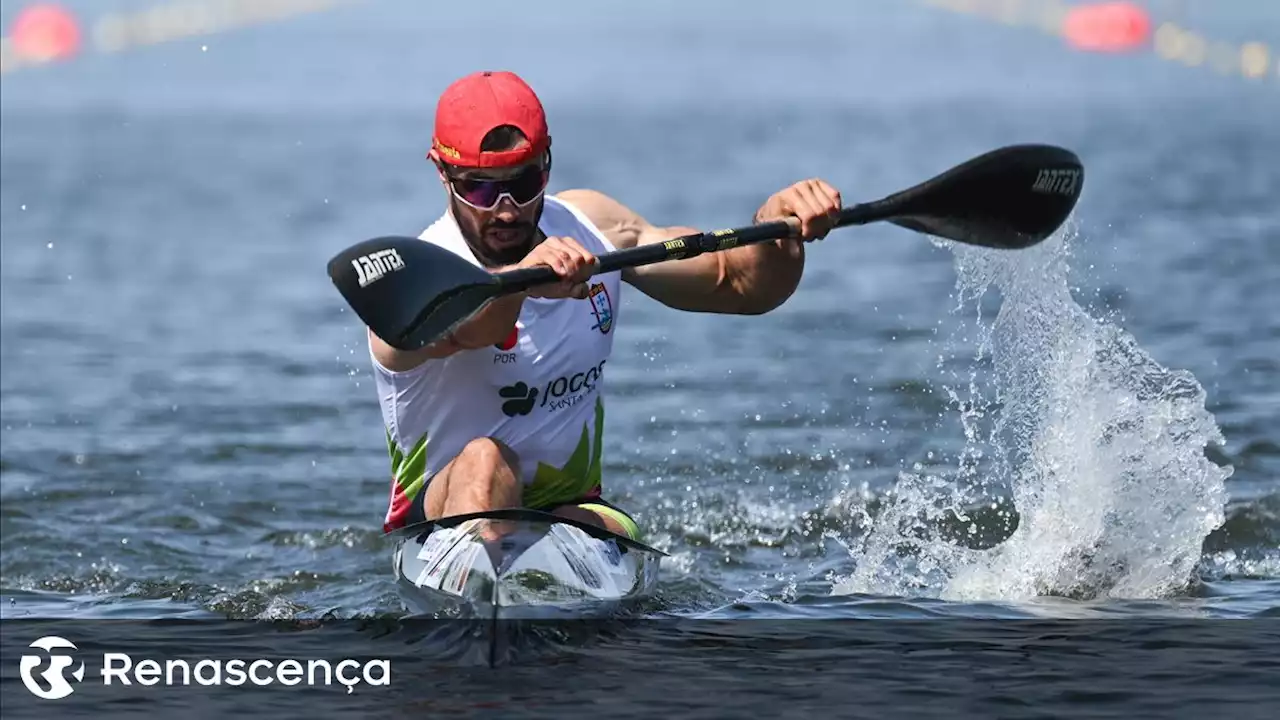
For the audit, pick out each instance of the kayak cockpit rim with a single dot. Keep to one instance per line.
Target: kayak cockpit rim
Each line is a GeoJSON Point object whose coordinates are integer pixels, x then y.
{"type": "Point", "coordinates": [525, 515]}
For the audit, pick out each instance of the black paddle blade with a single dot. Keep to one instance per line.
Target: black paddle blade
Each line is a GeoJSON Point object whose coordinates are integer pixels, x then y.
{"type": "Point", "coordinates": [1009, 198]}
{"type": "Point", "coordinates": [408, 291]}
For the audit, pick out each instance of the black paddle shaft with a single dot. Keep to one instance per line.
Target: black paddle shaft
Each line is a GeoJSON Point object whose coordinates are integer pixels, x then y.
{"type": "Point", "coordinates": [675, 249]}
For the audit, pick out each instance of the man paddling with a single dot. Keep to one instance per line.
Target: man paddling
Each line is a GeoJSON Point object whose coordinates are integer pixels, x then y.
{"type": "Point", "coordinates": [508, 409]}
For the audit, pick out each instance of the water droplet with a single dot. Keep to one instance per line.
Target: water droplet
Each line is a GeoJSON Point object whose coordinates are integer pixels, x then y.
{"type": "Point", "coordinates": [204, 48]}
{"type": "Point", "coordinates": [50, 246]}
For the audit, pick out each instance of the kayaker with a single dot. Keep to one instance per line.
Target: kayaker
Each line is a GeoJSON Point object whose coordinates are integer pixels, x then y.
{"type": "Point", "coordinates": [508, 410]}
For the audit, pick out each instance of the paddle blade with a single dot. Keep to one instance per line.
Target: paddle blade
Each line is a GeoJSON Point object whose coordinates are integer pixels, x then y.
{"type": "Point", "coordinates": [1009, 198]}
{"type": "Point", "coordinates": [408, 291]}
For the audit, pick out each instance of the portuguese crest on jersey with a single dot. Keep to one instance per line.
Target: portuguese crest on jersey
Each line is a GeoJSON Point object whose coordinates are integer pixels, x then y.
{"type": "Point", "coordinates": [602, 307]}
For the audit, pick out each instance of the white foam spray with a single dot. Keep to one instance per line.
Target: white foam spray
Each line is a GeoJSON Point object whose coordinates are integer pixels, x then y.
{"type": "Point", "coordinates": [1094, 449]}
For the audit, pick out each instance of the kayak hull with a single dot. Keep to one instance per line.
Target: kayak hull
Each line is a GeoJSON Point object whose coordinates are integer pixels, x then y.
{"type": "Point", "coordinates": [520, 564]}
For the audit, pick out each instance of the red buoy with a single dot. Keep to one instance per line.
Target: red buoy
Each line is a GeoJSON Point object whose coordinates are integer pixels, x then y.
{"type": "Point", "coordinates": [45, 32]}
{"type": "Point", "coordinates": [1107, 27]}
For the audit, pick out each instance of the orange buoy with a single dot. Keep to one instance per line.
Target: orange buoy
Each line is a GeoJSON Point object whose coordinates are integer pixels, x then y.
{"type": "Point", "coordinates": [45, 32]}
{"type": "Point", "coordinates": [1107, 27]}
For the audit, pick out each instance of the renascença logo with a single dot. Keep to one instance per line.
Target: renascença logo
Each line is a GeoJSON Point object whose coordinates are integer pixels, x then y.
{"type": "Point", "coordinates": [54, 676]}
{"type": "Point", "coordinates": [120, 668]}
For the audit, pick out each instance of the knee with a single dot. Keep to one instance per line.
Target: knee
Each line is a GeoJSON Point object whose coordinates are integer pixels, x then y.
{"type": "Point", "coordinates": [492, 454]}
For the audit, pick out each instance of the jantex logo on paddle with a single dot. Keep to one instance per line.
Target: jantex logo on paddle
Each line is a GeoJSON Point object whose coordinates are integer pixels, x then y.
{"type": "Point", "coordinates": [1057, 182]}
{"type": "Point", "coordinates": [116, 668]}
{"type": "Point", "coordinates": [370, 268]}
{"type": "Point", "coordinates": [565, 391]}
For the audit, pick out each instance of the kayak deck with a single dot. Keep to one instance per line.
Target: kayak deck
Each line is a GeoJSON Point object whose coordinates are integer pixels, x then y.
{"type": "Point", "coordinates": [520, 564]}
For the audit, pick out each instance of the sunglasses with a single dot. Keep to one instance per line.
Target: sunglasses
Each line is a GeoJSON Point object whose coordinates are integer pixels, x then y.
{"type": "Point", "coordinates": [485, 194]}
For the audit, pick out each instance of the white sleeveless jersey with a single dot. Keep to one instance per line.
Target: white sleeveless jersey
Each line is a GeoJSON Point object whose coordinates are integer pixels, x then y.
{"type": "Point", "coordinates": [539, 391]}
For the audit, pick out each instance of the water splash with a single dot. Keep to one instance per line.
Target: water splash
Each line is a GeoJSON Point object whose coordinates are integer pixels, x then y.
{"type": "Point", "coordinates": [1087, 452]}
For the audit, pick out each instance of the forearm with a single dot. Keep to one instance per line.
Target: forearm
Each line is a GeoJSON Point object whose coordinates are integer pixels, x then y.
{"type": "Point", "coordinates": [490, 326]}
{"type": "Point", "coordinates": [761, 277]}
{"type": "Point", "coordinates": [748, 280]}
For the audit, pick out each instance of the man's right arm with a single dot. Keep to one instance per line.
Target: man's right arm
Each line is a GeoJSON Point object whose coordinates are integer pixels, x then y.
{"type": "Point", "coordinates": [489, 326]}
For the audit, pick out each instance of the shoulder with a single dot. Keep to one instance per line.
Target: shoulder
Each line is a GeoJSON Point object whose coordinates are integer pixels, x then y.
{"type": "Point", "coordinates": [444, 233]}
{"type": "Point", "coordinates": [597, 206]}
{"type": "Point", "coordinates": [440, 229]}
{"type": "Point", "coordinates": [617, 222]}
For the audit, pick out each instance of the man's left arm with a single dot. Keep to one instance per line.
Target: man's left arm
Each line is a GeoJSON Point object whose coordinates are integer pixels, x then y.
{"type": "Point", "coordinates": [748, 280]}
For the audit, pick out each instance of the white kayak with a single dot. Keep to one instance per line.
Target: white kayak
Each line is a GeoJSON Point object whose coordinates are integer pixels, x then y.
{"type": "Point", "coordinates": [520, 564]}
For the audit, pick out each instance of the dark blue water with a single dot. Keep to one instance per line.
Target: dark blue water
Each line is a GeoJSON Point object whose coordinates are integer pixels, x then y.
{"type": "Point", "coordinates": [1087, 429]}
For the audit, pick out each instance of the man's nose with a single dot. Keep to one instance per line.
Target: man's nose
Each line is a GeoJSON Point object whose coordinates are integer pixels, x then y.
{"type": "Point", "coordinates": [506, 211]}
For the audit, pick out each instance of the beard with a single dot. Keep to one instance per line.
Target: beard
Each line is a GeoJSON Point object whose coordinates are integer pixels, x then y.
{"type": "Point", "coordinates": [507, 243]}
{"type": "Point", "coordinates": [497, 243]}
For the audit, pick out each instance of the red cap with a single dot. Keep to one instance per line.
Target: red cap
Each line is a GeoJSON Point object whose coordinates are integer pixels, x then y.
{"type": "Point", "coordinates": [472, 106]}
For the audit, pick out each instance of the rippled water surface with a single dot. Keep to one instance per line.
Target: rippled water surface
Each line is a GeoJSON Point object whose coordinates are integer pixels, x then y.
{"type": "Point", "coordinates": [189, 426]}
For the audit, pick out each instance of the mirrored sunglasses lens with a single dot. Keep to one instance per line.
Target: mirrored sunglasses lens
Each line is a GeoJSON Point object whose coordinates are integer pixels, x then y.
{"type": "Point", "coordinates": [485, 193]}
{"type": "Point", "coordinates": [481, 193]}
{"type": "Point", "coordinates": [526, 186]}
